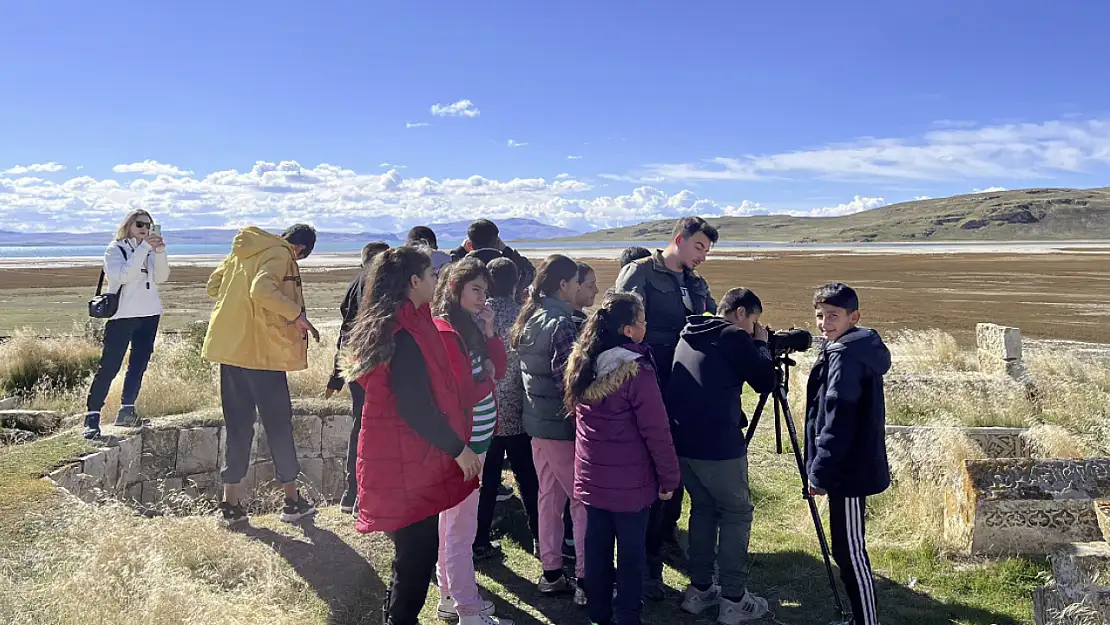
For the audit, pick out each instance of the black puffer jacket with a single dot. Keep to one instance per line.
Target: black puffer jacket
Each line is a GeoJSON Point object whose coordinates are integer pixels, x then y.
{"type": "Point", "coordinates": [846, 416]}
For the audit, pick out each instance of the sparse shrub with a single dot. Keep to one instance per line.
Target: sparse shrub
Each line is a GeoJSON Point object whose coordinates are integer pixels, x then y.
{"type": "Point", "coordinates": [29, 364]}
{"type": "Point", "coordinates": [929, 351]}
{"type": "Point", "coordinates": [177, 380]}
{"type": "Point", "coordinates": [163, 571]}
{"type": "Point", "coordinates": [321, 362]}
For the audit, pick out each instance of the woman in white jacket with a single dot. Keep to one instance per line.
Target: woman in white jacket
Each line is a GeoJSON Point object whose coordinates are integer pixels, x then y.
{"type": "Point", "coordinates": [134, 265]}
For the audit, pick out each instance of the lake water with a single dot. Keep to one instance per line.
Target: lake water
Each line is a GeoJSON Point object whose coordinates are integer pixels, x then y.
{"type": "Point", "coordinates": [327, 254]}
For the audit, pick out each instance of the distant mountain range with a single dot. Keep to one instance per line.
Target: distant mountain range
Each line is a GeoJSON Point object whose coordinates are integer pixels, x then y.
{"type": "Point", "coordinates": [1025, 215]}
{"type": "Point", "coordinates": [448, 234]}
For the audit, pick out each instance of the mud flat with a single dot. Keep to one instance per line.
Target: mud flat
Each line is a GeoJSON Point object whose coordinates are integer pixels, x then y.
{"type": "Point", "coordinates": [1055, 294]}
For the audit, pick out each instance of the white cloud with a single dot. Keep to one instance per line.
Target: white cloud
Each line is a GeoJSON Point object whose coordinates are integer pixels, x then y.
{"type": "Point", "coordinates": [515, 144]}
{"type": "Point", "coordinates": [574, 158]}
{"type": "Point", "coordinates": [333, 198]}
{"type": "Point", "coordinates": [37, 168]}
{"type": "Point", "coordinates": [857, 205]}
{"type": "Point", "coordinates": [151, 168]}
{"type": "Point", "coordinates": [462, 108]}
{"type": "Point", "coordinates": [1014, 151]}
{"type": "Point", "coordinates": [392, 166]}
{"type": "Point", "coordinates": [989, 190]}
{"type": "Point", "coordinates": [416, 124]}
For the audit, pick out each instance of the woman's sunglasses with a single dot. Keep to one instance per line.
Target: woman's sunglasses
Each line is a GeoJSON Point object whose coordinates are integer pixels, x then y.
{"type": "Point", "coordinates": [142, 224]}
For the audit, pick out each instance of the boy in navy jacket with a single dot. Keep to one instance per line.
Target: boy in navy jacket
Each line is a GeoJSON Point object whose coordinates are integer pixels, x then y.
{"type": "Point", "coordinates": [846, 435]}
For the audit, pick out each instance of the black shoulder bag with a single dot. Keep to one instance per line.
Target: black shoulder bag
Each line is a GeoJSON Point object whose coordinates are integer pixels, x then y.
{"type": "Point", "coordinates": [105, 306]}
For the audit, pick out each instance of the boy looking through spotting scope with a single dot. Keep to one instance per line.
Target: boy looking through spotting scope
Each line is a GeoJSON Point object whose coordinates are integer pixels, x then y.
{"type": "Point", "coordinates": [845, 435]}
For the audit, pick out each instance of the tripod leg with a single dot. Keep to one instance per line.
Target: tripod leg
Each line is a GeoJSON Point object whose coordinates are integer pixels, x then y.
{"type": "Point", "coordinates": [778, 427]}
{"type": "Point", "coordinates": [780, 400]}
{"type": "Point", "coordinates": [755, 418]}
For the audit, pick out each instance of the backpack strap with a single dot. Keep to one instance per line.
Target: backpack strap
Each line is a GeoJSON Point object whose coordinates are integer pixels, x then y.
{"type": "Point", "coordinates": [100, 282]}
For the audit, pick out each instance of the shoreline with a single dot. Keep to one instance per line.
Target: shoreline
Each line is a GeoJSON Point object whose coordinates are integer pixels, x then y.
{"type": "Point", "coordinates": [603, 251]}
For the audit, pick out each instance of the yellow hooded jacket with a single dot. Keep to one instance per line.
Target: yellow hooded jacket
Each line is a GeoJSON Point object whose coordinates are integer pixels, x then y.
{"type": "Point", "coordinates": [258, 297]}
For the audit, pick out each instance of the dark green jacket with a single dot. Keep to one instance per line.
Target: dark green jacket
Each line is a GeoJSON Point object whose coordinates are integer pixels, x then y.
{"type": "Point", "coordinates": [544, 414]}
{"type": "Point", "coordinates": [666, 313]}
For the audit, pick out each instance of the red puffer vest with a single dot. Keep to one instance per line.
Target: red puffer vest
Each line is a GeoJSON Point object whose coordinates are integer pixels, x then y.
{"type": "Point", "coordinates": [402, 478]}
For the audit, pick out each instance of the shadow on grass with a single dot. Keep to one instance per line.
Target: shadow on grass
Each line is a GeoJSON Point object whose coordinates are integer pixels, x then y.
{"type": "Point", "coordinates": [339, 574]}
{"type": "Point", "coordinates": [797, 587]}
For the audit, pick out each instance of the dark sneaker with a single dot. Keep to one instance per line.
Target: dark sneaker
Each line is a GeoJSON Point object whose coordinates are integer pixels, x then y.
{"type": "Point", "coordinates": [347, 502]}
{"type": "Point", "coordinates": [232, 515]}
{"type": "Point", "coordinates": [487, 551]}
{"type": "Point", "coordinates": [127, 417]}
{"type": "Point", "coordinates": [296, 510]}
{"type": "Point", "coordinates": [654, 590]}
{"type": "Point", "coordinates": [92, 426]}
{"type": "Point", "coordinates": [504, 493]}
{"type": "Point", "coordinates": [560, 586]}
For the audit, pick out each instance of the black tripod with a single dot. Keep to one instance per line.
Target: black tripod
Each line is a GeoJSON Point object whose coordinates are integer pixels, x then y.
{"type": "Point", "coordinates": [783, 363]}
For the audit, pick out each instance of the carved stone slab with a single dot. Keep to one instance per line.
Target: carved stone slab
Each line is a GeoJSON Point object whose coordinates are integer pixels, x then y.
{"type": "Point", "coordinates": [1082, 563]}
{"type": "Point", "coordinates": [1026, 506]}
{"type": "Point", "coordinates": [999, 349]}
{"type": "Point", "coordinates": [996, 442]}
{"type": "Point", "coordinates": [1050, 600]}
{"type": "Point", "coordinates": [1043, 479]}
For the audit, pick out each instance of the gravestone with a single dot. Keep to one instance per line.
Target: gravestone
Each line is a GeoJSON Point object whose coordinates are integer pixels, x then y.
{"type": "Point", "coordinates": [1026, 506]}
{"type": "Point", "coordinates": [1050, 600]}
{"type": "Point", "coordinates": [999, 350]}
{"type": "Point", "coordinates": [996, 442]}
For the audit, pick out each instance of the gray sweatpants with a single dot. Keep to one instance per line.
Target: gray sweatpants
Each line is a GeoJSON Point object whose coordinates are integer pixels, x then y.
{"type": "Point", "coordinates": [720, 521]}
{"type": "Point", "coordinates": [245, 393]}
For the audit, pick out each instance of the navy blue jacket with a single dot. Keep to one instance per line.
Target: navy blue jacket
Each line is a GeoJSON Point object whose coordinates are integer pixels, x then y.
{"type": "Point", "coordinates": [846, 416]}
{"type": "Point", "coordinates": [712, 362]}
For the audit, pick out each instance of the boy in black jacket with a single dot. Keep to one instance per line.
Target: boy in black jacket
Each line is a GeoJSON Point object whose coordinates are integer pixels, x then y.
{"type": "Point", "coordinates": [845, 435]}
{"type": "Point", "coordinates": [349, 310]}
{"type": "Point", "coordinates": [714, 358]}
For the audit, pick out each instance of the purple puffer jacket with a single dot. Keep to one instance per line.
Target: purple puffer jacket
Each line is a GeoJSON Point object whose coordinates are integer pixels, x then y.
{"type": "Point", "coordinates": [623, 453]}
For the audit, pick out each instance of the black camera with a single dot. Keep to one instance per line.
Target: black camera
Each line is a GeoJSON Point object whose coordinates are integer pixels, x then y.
{"type": "Point", "coordinates": [788, 341]}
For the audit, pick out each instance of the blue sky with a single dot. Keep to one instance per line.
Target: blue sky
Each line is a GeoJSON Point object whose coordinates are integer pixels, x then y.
{"type": "Point", "coordinates": [375, 116]}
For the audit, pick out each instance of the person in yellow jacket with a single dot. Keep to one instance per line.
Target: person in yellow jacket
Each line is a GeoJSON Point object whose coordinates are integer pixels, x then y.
{"type": "Point", "coordinates": [258, 332]}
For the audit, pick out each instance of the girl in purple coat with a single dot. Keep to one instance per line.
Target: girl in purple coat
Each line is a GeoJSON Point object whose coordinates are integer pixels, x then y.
{"type": "Point", "coordinates": [624, 457]}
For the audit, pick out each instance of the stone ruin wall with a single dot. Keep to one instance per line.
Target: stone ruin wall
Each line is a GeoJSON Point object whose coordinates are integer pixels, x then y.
{"type": "Point", "coordinates": [149, 465]}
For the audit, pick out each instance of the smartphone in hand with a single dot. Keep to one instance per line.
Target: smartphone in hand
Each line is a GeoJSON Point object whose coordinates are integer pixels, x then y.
{"type": "Point", "coordinates": [156, 230]}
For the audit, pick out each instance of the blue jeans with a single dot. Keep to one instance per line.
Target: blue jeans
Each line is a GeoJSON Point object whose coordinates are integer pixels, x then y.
{"type": "Point", "coordinates": [627, 531]}
{"type": "Point", "coordinates": [138, 333]}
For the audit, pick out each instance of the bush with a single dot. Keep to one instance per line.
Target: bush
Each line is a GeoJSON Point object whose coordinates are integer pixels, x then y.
{"type": "Point", "coordinates": [30, 365]}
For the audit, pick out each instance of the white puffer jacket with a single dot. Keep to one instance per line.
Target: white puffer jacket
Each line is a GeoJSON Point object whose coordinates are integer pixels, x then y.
{"type": "Point", "coordinates": [139, 276]}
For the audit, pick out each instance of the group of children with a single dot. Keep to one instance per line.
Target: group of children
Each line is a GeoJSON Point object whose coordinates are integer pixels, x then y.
{"type": "Point", "coordinates": [460, 369]}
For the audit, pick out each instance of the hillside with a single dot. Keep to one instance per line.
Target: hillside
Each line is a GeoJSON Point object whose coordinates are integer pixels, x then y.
{"type": "Point", "coordinates": [1026, 215]}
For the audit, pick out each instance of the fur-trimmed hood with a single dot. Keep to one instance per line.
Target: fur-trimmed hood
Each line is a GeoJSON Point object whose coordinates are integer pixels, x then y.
{"type": "Point", "coordinates": [614, 368]}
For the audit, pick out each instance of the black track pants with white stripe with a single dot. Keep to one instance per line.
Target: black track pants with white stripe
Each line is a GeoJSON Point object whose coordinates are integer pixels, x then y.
{"type": "Point", "coordinates": [849, 547]}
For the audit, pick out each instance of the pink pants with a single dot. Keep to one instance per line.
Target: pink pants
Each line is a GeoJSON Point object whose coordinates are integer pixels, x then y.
{"type": "Point", "coordinates": [455, 569]}
{"type": "Point", "coordinates": [555, 469]}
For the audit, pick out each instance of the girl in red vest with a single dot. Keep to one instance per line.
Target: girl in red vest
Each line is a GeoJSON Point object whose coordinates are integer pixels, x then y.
{"type": "Point", "coordinates": [477, 357]}
{"type": "Point", "coordinates": [413, 461]}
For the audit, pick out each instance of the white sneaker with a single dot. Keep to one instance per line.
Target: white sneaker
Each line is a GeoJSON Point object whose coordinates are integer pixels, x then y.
{"type": "Point", "coordinates": [697, 601]}
{"type": "Point", "coordinates": [749, 608]}
{"type": "Point", "coordinates": [484, 620]}
{"type": "Point", "coordinates": [446, 609]}
{"type": "Point", "coordinates": [580, 596]}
